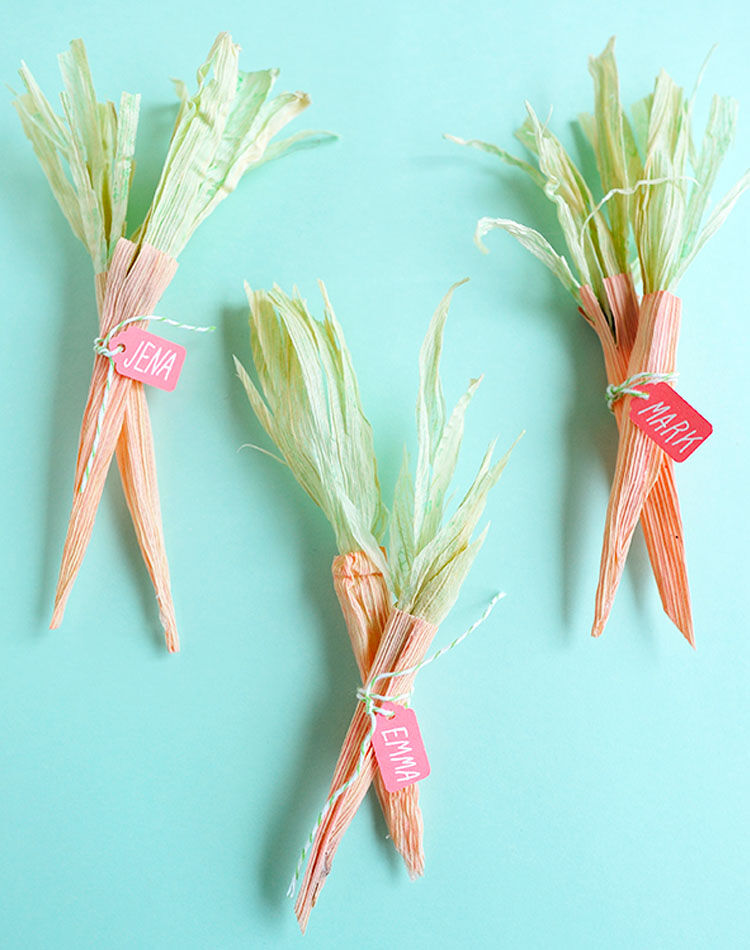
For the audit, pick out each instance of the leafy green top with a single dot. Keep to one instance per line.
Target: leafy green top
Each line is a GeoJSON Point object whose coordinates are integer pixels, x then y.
{"type": "Point", "coordinates": [310, 407]}
{"type": "Point", "coordinates": [654, 181]}
{"type": "Point", "coordinates": [221, 131]}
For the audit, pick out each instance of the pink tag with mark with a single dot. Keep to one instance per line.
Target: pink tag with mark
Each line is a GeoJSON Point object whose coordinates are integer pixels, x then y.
{"type": "Point", "coordinates": [147, 358]}
{"type": "Point", "coordinates": [671, 422]}
{"type": "Point", "coordinates": [398, 747]}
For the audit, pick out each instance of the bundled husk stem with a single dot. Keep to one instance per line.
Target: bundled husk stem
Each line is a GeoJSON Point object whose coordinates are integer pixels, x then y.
{"type": "Point", "coordinates": [365, 603]}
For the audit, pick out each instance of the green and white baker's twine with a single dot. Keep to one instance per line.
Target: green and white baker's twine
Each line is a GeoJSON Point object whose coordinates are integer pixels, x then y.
{"type": "Point", "coordinates": [101, 348]}
{"type": "Point", "coordinates": [371, 699]}
{"type": "Point", "coordinates": [616, 391]}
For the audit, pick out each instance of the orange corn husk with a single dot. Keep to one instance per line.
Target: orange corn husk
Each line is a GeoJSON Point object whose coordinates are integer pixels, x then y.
{"type": "Point", "coordinates": [365, 603]}
{"type": "Point", "coordinates": [404, 643]}
{"type": "Point", "coordinates": [660, 518]}
{"type": "Point", "coordinates": [136, 279]}
{"type": "Point", "coordinates": [640, 461]}
{"type": "Point", "coordinates": [137, 464]}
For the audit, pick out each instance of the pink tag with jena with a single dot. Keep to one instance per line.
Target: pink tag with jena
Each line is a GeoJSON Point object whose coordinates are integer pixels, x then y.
{"type": "Point", "coordinates": [398, 747]}
{"type": "Point", "coordinates": [671, 422]}
{"type": "Point", "coordinates": [147, 358]}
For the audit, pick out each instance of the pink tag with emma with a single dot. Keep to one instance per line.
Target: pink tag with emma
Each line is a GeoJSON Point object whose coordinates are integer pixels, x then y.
{"type": "Point", "coordinates": [398, 746]}
{"type": "Point", "coordinates": [148, 358]}
{"type": "Point", "coordinates": [670, 421]}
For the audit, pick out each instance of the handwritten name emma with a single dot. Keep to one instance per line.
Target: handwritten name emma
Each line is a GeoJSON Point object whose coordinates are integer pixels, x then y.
{"type": "Point", "coordinates": [398, 747]}
{"type": "Point", "coordinates": [401, 755]}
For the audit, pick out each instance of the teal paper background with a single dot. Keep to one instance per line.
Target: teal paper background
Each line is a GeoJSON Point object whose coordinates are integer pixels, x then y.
{"type": "Point", "coordinates": [583, 794]}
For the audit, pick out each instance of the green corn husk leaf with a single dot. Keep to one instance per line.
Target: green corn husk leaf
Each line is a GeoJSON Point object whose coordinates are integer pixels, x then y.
{"type": "Point", "coordinates": [615, 149]}
{"type": "Point", "coordinates": [715, 220]}
{"type": "Point", "coordinates": [307, 400]}
{"type": "Point", "coordinates": [309, 404]}
{"type": "Point", "coordinates": [221, 132]}
{"type": "Point", "coordinates": [584, 227]}
{"type": "Point", "coordinates": [719, 135]}
{"type": "Point", "coordinates": [668, 218]}
{"type": "Point", "coordinates": [429, 554]}
{"type": "Point", "coordinates": [533, 241]}
{"type": "Point", "coordinates": [87, 154]}
{"type": "Point", "coordinates": [654, 182]}
{"type": "Point", "coordinates": [509, 159]}
{"type": "Point", "coordinates": [660, 209]}
{"type": "Point", "coordinates": [592, 249]}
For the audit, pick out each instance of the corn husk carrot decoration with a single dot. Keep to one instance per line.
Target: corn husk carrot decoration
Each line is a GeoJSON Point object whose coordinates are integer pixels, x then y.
{"type": "Point", "coordinates": [223, 129]}
{"type": "Point", "coordinates": [310, 407]}
{"type": "Point", "coordinates": [645, 230]}
{"type": "Point", "coordinates": [312, 411]}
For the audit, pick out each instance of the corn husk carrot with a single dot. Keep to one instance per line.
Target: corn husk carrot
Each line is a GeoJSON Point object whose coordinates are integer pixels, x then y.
{"type": "Point", "coordinates": [134, 285]}
{"type": "Point", "coordinates": [221, 131]}
{"type": "Point", "coordinates": [365, 602]}
{"type": "Point", "coordinates": [666, 222]}
{"type": "Point", "coordinates": [660, 516]}
{"type": "Point", "coordinates": [645, 228]}
{"type": "Point", "coordinates": [639, 458]}
{"type": "Point", "coordinates": [311, 409]}
{"type": "Point", "coordinates": [428, 555]}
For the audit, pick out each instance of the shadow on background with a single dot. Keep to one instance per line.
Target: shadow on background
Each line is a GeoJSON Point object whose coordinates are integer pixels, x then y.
{"type": "Point", "coordinates": [69, 380]}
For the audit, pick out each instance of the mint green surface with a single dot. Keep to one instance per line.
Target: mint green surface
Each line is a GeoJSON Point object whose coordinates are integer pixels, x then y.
{"type": "Point", "coordinates": [583, 794]}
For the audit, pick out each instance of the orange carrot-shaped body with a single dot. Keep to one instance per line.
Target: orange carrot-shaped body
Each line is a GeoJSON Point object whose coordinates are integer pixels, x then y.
{"type": "Point", "coordinates": [135, 280]}
{"type": "Point", "coordinates": [639, 460]}
{"type": "Point", "coordinates": [366, 603]}
{"type": "Point", "coordinates": [660, 518]}
{"type": "Point", "coordinates": [137, 463]}
{"type": "Point", "coordinates": [404, 643]}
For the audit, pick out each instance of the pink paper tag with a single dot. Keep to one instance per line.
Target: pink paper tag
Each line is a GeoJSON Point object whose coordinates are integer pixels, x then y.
{"type": "Point", "coordinates": [398, 746]}
{"type": "Point", "coordinates": [671, 422]}
{"type": "Point", "coordinates": [149, 359]}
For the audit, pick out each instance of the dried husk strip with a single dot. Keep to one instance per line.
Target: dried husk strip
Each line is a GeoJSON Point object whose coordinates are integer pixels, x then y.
{"type": "Point", "coordinates": [313, 413]}
{"type": "Point", "coordinates": [365, 603]}
{"type": "Point", "coordinates": [404, 643]}
{"type": "Point", "coordinates": [308, 402]}
{"type": "Point", "coordinates": [639, 460]}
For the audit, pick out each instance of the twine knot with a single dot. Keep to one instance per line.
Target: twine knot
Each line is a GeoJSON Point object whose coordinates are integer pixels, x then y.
{"type": "Point", "coordinates": [371, 700]}
{"type": "Point", "coordinates": [616, 391]}
{"type": "Point", "coordinates": [101, 348]}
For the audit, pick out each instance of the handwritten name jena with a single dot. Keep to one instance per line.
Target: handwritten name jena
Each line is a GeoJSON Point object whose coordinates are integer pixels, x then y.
{"type": "Point", "coordinates": [152, 360]}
